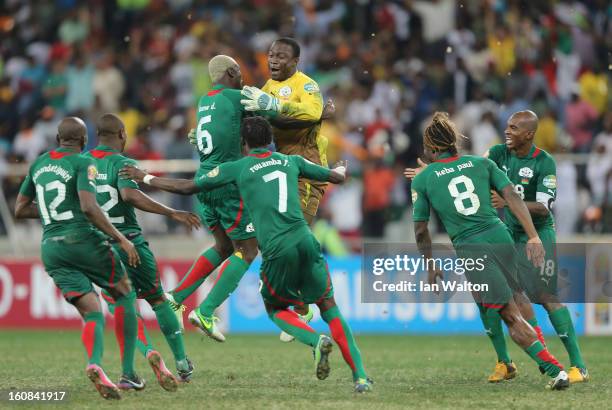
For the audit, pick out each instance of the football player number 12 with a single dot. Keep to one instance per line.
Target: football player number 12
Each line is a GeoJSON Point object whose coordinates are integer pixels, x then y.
{"type": "Point", "coordinates": [203, 137]}
{"type": "Point", "coordinates": [462, 197]}
{"type": "Point", "coordinates": [50, 212]}
{"type": "Point", "coordinates": [282, 188]}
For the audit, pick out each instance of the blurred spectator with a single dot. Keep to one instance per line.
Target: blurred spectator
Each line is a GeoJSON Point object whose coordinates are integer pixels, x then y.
{"type": "Point", "coordinates": [378, 180]}
{"type": "Point", "coordinates": [79, 78]}
{"type": "Point", "coordinates": [546, 134]}
{"type": "Point", "coordinates": [594, 88]}
{"type": "Point", "coordinates": [30, 141]}
{"type": "Point", "coordinates": [484, 134]}
{"type": "Point", "coordinates": [579, 118]}
{"type": "Point", "coordinates": [108, 82]}
{"type": "Point", "coordinates": [56, 86]}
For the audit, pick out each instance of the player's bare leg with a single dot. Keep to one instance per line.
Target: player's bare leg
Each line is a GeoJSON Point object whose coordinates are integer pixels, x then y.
{"type": "Point", "coordinates": [343, 336]}
{"type": "Point", "coordinates": [126, 330]}
{"type": "Point", "coordinates": [561, 320]}
{"type": "Point", "coordinates": [89, 308]}
{"type": "Point", "coordinates": [228, 278]}
{"type": "Point", "coordinates": [525, 336]}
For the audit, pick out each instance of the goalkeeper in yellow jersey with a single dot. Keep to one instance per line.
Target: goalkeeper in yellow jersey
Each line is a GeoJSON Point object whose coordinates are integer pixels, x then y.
{"type": "Point", "coordinates": [293, 94]}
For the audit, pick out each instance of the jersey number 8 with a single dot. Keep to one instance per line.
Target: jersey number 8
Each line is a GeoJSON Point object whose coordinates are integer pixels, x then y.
{"type": "Point", "coordinates": [460, 197]}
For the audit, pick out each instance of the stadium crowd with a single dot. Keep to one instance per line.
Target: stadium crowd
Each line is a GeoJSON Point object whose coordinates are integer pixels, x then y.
{"type": "Point", "coordinates": [387, 65]}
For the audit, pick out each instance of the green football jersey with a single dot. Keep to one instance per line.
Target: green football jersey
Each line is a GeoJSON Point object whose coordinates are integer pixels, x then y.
{"type": "Point", "coordinates": [268, 184]}
{"type": "Point", "coordinates": [534, 178]}
{"type": "Point", "coordinates": [458, 189]}
{"type": "Point", "coordinates": [54, 180]}
{"type": "Point", "coordinates": [218, 131]}
{"type": "Point", "coordinates": [108, 186]}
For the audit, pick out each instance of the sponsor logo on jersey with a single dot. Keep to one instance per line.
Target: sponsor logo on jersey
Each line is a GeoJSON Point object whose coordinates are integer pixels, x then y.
{"type": "Point", "coordinates": [250, 228]}
{"type": "Point", "coordinates": [526, 172]}
{"type": "Point", "coordinates": [92, 172]}
{"type": "Point", "coordinates": [311, 88]}
{"type": "Point", "coordinates": [284, 91]}
{"type": "Point", "coordinates": [213, 173]}
{"type": "Point", "coordinates": [415, 196]}
{"type": "Point", "coordinates": [550, 181]}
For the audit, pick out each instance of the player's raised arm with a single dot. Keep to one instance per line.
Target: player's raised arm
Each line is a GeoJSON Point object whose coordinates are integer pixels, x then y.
{"type": "Point", "coordinates": [309, 107]}
{"type": "Point", "coordinates": [336, 175]}
{"type": "Point", "coordinates": [174, 185]}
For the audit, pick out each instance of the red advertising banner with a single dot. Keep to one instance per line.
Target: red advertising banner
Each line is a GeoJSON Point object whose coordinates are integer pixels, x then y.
{"type": "Point", "coordinates": [30, 299]}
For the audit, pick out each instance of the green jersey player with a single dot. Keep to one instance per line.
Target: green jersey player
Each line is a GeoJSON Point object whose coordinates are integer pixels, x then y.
{"type": "Point", "coordinates": [60, 189]}
{"type": "Point", "coordinates": [118, 197]}
{"type": "Point", "coordinates": [217, 139]}
{"type": "Point", "coordinates": [457, 188]}
{"type": "Point", "coordinates": [293, 271]}
{"type": "Point", "coordinates": [533, 173]}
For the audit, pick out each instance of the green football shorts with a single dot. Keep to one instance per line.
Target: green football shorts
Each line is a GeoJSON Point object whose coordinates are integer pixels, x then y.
{"type": "Point", "coordinates": [543, 280]}
{"type": "Point", "coordinates": [75, 261]}
{"type": "Point", "coordinates": [296, 277]}
{"type": "Point", "coordinates": [223, 208]}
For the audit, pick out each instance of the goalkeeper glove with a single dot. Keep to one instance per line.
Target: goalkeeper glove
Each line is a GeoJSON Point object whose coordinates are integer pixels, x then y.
{"type": "Point", "coordinates": [258, 100]}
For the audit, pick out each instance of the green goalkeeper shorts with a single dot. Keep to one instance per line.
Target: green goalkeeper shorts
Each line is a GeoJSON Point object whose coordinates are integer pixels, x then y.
{"type": "Point", "coordinates": [223, 208]}
{"type": "Point", "coordinates": [75, 261]}
{"type": "Point", "coordinates": [297, 276]}
{"type": "Point", "coordinates": [542, 281]}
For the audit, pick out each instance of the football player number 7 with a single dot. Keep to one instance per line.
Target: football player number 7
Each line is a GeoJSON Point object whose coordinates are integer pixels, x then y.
{"type": "Point", "coordinates": [282, 188]}
{"type": "Point", "coordinates": [203, 137]}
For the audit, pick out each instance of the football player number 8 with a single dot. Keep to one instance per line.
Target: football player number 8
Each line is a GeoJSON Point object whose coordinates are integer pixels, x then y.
{"type": "Point", "coordinates": [282, 188]}
{"type": "Point", "coordinates": [203, 136]}
{"type": "Point", "coordinates": [461, 198]}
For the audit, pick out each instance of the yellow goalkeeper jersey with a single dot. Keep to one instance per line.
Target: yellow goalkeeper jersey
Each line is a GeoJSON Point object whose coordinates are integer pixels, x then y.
{"type": "Point", "coordinates": [301, 99]}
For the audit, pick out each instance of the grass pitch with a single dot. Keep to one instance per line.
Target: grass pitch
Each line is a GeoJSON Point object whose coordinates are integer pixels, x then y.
{"type": "Point", "coordinates": [260, 372]}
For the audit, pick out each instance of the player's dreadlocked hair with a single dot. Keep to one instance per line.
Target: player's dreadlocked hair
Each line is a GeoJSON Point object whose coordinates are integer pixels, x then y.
{"type": "Point", "coordinates": [441, 134]}
{"type": "Point", "coordinates": [256, 131]}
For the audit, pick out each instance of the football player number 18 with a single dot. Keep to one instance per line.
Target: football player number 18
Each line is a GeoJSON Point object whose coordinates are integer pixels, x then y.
{"type": "Point", "coordinates": [203, 137]}
{"type": "Point", "coordinates": [465, 197]}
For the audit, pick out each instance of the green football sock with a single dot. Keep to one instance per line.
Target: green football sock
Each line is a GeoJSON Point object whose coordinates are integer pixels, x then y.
{"type": "Point", "coordinates": [493, 327]}
{"type": "Point", "coordinates": [341, 332]}
{"type": "Point", "coordinates": [231, 272]}
{"type": "Point", "coordinates": [290, 322]}
{"type": "Point", "coordinates": [562, 322]}
{"type": "Point", "coordinates": [534, 323]}
{"type": "Point", "coordinates": [544, 359]}
{"type": "Point", "coordinates": [169, 326]}
{"type": "Point", "coordinates": [93, 337]}
{"type": "Point", "coordinates": [126, 329]}
{"type": "Point", "coordinates": [197, 274]}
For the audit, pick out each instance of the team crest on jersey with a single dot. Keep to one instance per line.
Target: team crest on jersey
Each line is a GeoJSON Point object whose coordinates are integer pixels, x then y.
{"type": "Point", "coordinates": [550, 181]}
{"type": "Point", "coordinates": [311, 88]}
{"type": "Point", "coordinates": [250, 228]}
{"type": "Point", "coordinates": [285, 91]}
{"type": "Point", "coordinates": [415, 196]}
{"type": "Point", "coordinates": [526, 172]}
{"type": "Point", "coordinates": [92, 172]}
{"type": "Point", "coordinates": [213, 173]}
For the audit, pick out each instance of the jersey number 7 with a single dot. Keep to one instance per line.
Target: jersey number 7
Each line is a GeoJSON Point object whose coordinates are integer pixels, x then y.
{"type": "Point", "coordinates": [282, 188]}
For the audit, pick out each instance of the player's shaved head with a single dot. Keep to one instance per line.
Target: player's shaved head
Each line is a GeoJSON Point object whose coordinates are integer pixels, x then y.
{"type": "Point", "coordinates": [71, 130]}
{"type": "Point", "coordinates": [527, 120]}
{"type": "Point", "coordinates": [109, 125]}
{"type": "Point", "coordinates": [218, 66]}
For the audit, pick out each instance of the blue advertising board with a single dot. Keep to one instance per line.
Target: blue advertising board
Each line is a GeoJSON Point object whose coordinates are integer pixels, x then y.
{"type": "Point", "coordinates": [246, 312]}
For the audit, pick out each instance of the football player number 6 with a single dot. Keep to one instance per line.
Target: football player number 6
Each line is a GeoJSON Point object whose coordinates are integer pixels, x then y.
{"type": "Point", "coordinates": [282, 188]}
{"type": "Point", "coordinates": [462, 197]}
{"type": "Point", "coordinates": [203, 137]}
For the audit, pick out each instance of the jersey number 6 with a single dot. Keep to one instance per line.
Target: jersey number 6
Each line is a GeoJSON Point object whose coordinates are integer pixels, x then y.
{"type": "Point", "coordinates": [202, 134]}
